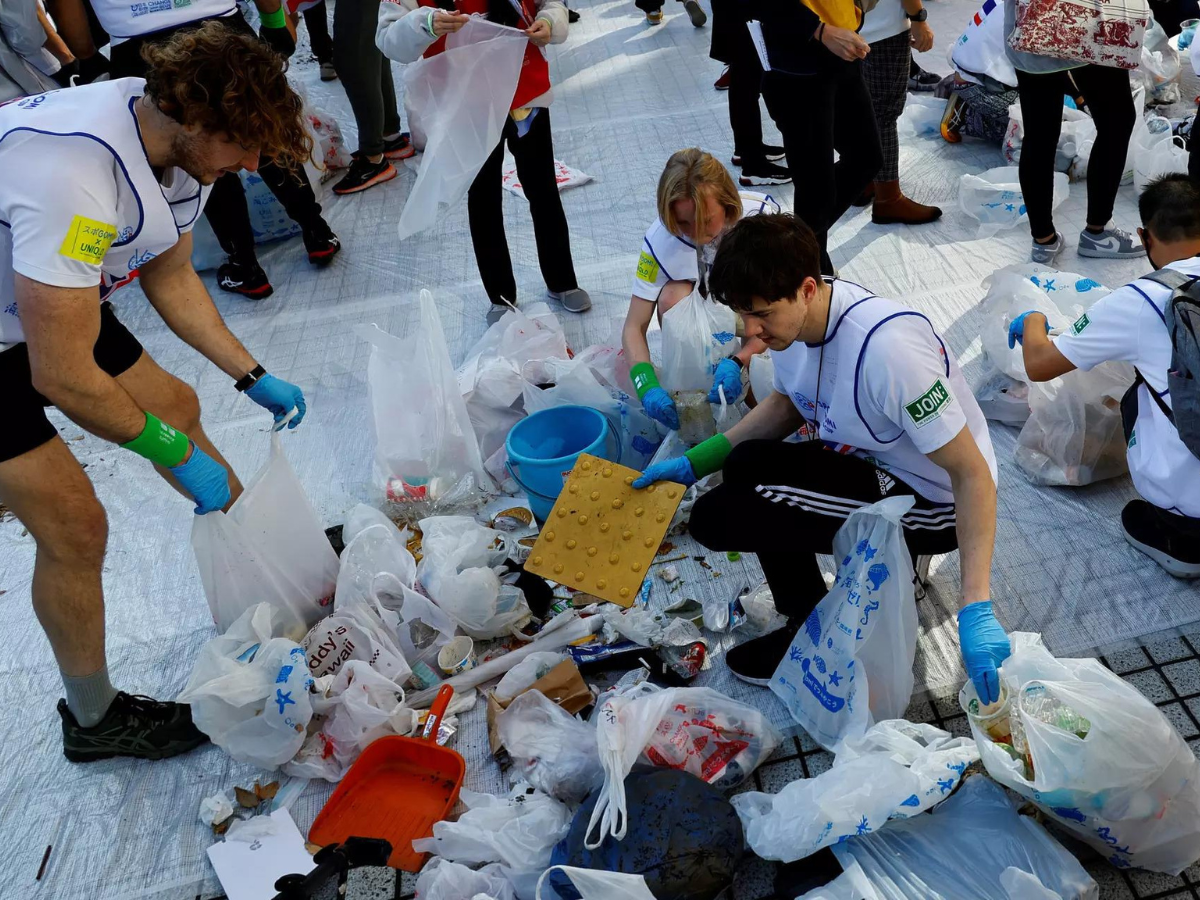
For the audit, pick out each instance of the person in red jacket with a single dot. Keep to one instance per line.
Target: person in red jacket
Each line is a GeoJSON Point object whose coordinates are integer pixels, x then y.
{"type": "Point", "coordinates": [409, 29]}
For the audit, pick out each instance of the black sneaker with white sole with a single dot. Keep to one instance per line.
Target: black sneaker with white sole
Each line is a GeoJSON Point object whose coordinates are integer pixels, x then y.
{"type": "Point", "coordinates": [1171, 540]}
{"type": "Point", "coordinates": [321, 244]}
{"type": "Point", "coordinates": [763, 173]}
{"type": "Point", "coordinates": [364, 174]}
{"type": "Point", "coordinates": [247, 279]}
{"type": "Point", "coordinates": [920, 80]}
{"type": "Point", "coordinates": [755, 661]}
{"type": "Point", "coordinates": [133, 726]}
{"type": "Point", "coordinates": [769, 151]}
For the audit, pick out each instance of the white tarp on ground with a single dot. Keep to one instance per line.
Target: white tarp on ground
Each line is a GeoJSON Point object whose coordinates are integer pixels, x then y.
{"type": "Point", "coordinates": [626, 97]}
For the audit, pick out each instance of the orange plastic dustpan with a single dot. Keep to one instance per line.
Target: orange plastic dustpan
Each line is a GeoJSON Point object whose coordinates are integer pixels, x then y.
{"type": "Point", "coordinates": [396, 790]}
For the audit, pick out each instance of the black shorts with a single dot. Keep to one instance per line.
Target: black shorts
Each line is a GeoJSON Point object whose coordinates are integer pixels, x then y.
{"type": "Point", "coordinates": [26, 426]}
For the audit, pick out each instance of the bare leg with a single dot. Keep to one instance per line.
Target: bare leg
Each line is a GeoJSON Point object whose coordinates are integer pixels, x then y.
{"type": "Point", "coordinates": [159, 392]}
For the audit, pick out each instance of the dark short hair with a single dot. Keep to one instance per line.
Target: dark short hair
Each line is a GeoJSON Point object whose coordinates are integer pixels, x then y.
{"type": "Point", "coordinates": [764, 256]}
{"type": "Point", "coordinates": [1170, 208]}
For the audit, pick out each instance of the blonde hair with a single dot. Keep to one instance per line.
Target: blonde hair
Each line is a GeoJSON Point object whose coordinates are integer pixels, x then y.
{"type": "Point", "coordinates": [693, 175]}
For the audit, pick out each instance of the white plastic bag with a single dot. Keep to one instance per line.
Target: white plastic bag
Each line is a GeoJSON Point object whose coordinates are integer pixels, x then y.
{"type": "Point", "coordinates": [593, 884]}
{"type": "Point", "coordinates": [420, 626]}
{"type": "Point", "coordinates": [456, 572]}
{"type": "Point", "coordinates": [354, 631]}
{"type": "Point", "coordinates": [374, 551]}
{"type": "Point", "coordinates": [524, 674]}
{"type": "Point", "coordinates": [550, 748]}
{"type": "Point", "coordinates": [964, 849]}
{"type": "Point", "coordinates": [1159, 65]}
{"type": "Point", "coordinates": [851, 665]}
{"type": "Point", "coordinates": [425, 447]}
{"type": "Point", "coordinates": [994, 199]}
{"type": "Point", "coordinates": [564, 176]}
{"type": "Point", "coordinates": [518, 831]}
{"type": "Point", "coordinates": [270, 547]}
{"type": "Point", "coordinates": [1002, 398]}
{"type": "Point", "coordinates": [698, 730]}
{"type": "Point", "coordinates": [896, 770]}
{"type": "Point", "coordinates": [459, 100]}
{"type": "Point", "coordinates": [445, 880]}
{"type": "Point", "coordinates": [696, 335]}
{"type": "Point", "coordinates": [1156, 152]}
{"type": "Point", "coordinates": [249, 691]}
{"type": "Point", "coordinates": [922, 116]}
{"type": "Point", "coordinates": [1130, 787]}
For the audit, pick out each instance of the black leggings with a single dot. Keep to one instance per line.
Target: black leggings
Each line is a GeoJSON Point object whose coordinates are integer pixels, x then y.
{"type": "Point", "coordinates": [365, 74]}
{"type": "Point", "coordinates": [818, 114]}
{"type": "Point", "coordinates": [745, 117]}
{"type": "Point", "coordinates": [226, 208]}
{"type": "Point", "coordinates": [534, 155]}
{"type": "Point", "coordinates": [316, 18]}
{"type": "Point", "coordinates": [785, 502]}
{"type": "Point", "coordinates": [1110, 102]}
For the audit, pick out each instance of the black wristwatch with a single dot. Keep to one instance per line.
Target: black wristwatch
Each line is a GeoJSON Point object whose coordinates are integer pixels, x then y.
{"type": "Point", "coordinates": [247, 381]}
{"type": "Point", "coordinates": [919, 16]}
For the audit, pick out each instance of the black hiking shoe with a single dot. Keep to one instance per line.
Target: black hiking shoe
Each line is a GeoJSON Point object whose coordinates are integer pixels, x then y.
{"type": "Point", "coordinates": [247, 279]}
{"type": "Point", "coordinates": [755, 661]}
{"type": "Point", "coordinates": [133, 726]}
{"type": "Point", "coordinates": [1169, 539]}
{"type": "Point", "coordinates": [321, 243]}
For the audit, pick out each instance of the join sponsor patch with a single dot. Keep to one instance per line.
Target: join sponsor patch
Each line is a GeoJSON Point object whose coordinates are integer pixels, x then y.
{"type": "Point", "coordinates": [87, 240]}
{"type": "Point", "coordinates": [929, 405]}
{"type": "Point", "coordinates": [647, 267]}
{"type": "Point", "coordinates": [1081, 323]}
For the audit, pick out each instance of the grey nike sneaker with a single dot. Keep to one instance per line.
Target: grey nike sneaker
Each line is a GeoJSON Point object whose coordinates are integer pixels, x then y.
{"type": "Point", "coordinates": [1111, 243]}
{"type": "Point", "coordinates": [496, 312]}
{"type": "Point", "coordinates": [133, 726]}
{"type": "Point", "coordinates": [575, 300]}
{"type": "Point", "coordinates": [1046, 254]}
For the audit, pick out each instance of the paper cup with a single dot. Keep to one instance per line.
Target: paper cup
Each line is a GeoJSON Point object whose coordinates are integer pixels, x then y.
{"type": "Point", "coordinates": [457, 656]}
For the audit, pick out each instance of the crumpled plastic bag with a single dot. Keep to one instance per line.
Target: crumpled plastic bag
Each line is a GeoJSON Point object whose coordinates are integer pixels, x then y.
{"type": "Point", "coordinates": [445, 880]}
{"type": "Point", "coordinates": [456, 573]}
{"type": "Point", "coordinates": [1160, 65]}
{"type": "Point", "coordinates": [249, 691]}
{"type": "Point", "coordinates": [1129, 787]}
{"type": "Point", "coordinates": [592, 884]}
{"type": "Point", "coordinates": [565, 176]}
{"type": "Point", "coordinates": [637, 624]}
{"type": "Point", "coordinates": [550, 748]}
{"type": "Point", "coordinates": [524, 674]}
{"type": "Point", "coordinates": [994, 199]}
{"type": "Point", "coordinates": [1156, 152]}
{"type": "Point", "coordinates": [354, 632]}
{"type": "Point", "coordinates": [896, 770]}
{"type": "Point", "coordinates": [922, 116]}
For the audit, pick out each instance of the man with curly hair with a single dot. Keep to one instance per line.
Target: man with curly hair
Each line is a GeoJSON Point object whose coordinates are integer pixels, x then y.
{"type": "Point", "coordinates": [98, 185]}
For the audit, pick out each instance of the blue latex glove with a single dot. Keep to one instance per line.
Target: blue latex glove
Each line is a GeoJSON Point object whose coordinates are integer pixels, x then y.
{"type": "Point", "coordinates": [729, 377]}
{"type": "Point", "coordinates": [1016, 330]}
{"type": "Point", "coordinates": [280, 397]}
{"type": "Point", "coordinates": [678, 470]}
{"type": "Point", "coordinates": [205, 479]}
{"type": "Point", "coordinates": [661, 408]}
{"type": "Point", "coordinates": [984, 646]}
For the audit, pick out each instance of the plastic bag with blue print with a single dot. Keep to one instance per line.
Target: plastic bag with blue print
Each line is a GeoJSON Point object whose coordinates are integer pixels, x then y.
{"type": "Point", "coordinates": [851, 664]}
{"type": "Point", "coordinates": [1097, 757]}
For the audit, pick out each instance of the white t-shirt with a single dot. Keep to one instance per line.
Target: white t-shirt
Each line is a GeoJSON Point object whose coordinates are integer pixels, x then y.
{"type": "Point", "coordinates": [886, 20]}
{"type": "Point", "coordinates": [123, 19]}
{"type": "Point", "coordinates": [1128, 326]}
{"type": "Point", "coordinates": [80, 205]}
{"type": "Point", "coordinates": [884, 388]}
{"type": "Point", "coordinates": [667, 257]}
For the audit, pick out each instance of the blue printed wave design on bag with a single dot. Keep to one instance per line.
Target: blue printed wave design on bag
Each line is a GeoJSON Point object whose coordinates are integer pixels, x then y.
{"type": "Point", "coordinates": [818, 690]}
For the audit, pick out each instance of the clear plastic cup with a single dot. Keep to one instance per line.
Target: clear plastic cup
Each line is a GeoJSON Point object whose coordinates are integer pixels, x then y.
{"type": "Point", "coordinates": [994, 722]}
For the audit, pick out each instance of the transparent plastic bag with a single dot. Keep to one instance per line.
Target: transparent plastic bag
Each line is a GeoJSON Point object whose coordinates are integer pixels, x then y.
{"type": "Point", "coordinates": [922, 116]}
{"type": "Point", "coordinates": [697, 333]}
{"type": "Point", "coordinates": [249, 690]}
{"type": "Point", "coordinates": [966, 848]}
{"type": "Point", "coordinates": [550, 748]}
{"type": "Point", "coordinates": [445, 880]}
{"type": "Point", "coordinates": [525, 674]}
{"type": "Point", "coordinates": [354, 631]}
{"type": "Point", "coordinates": [851, 664]}
{"type": "Point", "coordinates": [374, 551]}
{"type": "Point", "coordinates": [994, 199]}
{"type": "Point", "coordinates": [698, 730]}
{"type": "Point", "coordinates": [596, 885]}
{"type": "Point", "coordinates": [456, 572]}
{"type": "Point", "coordinates": [459, 100]}
{"type": "Point", "coordinates": [1129, 787]}
{"type": "Point", "coordinates": [1157, 152]}
{"type": "Point", "coordinates": [896, 770]}
{"type": "Point", "coordinates": [270, 547]}
{"type": "Point", "coordinates": [1002, 398]}
{"type": "Point", "coordinates": [425, 447]}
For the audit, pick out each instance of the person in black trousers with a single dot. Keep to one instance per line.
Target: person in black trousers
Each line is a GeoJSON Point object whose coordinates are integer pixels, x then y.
{"type": "Point", "coordinates": [731, 45]}
{"type": "Point", "coordinates": [316, 20]}
{"type": "Point", "coordinates": [816, 94]}
{"type": "Point", "coordinates": [226, 208]}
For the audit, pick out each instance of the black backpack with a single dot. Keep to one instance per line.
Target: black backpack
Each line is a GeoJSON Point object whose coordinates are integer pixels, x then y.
{"type": "Point", "coordinates": [1181, 315]}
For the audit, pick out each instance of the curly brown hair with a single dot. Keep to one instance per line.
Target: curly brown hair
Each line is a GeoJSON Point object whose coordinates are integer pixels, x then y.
{"type": "Point", "coordinates": [228, 81]}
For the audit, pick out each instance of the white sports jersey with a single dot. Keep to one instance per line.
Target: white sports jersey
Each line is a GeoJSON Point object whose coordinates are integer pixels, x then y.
{"type": "Point", "coordinates": [79, 204]}
{"type": "Point", "coordinates": [667, 257]}
{"type": "Point", "coordinates": [888, 390]}
{"type": "Point", "coordinates": [1128, 326]}
{"type": "Point", "coordinates": [123, 19]}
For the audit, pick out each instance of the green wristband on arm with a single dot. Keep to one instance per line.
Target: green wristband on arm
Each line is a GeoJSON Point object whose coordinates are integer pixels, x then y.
{"type": "Point", "coordinates": [273, 19]}
{"type": "Point", "coordinates": [709, 456]}
{"type": "Point", "coordinates": [160, 443]}
{"type": "Point", "coordinates": [644, 379]}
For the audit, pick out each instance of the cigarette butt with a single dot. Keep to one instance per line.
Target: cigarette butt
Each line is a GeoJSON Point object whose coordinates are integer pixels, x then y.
{"type": "Point", "coordinates": [45, 859]}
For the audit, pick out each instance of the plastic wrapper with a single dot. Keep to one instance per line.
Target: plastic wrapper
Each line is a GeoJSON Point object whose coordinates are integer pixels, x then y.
{"type": "Point", "coordinates": [525, 673]}
{"type": "Point", "coordinates": [551, 749]}
{"type": "Point", "coordinates": [994, 199]}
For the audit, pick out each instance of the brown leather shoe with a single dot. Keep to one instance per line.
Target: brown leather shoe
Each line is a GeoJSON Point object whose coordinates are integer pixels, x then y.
{"type": "Point", "coordinates": [867, 195]}
{"type": "Point", "coordinates": [893, 208]}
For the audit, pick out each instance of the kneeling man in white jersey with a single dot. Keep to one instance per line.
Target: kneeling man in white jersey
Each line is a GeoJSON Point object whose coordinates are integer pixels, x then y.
{"type": "Point", "coordinates": [100, 185]}
{"type": "Point", "coordinates": [881, 409]}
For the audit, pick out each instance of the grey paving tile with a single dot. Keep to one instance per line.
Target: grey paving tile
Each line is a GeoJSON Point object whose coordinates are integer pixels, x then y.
{"type": "Point", "coordinates": [958, 726]}
{"type": "Point", "coordinates": [818, 762]}
{"type": "Point", "coordinates": [1112, 885]}
{"type": "Point", "coordinates": [371, 884]}
{"type": "Point", "coordinates": [788, 748]}
{"type": "Point", "coordinates": [1152, 685]}
{"type": "Point", "coordinates": [807, 744]}
{"type": "Point", "coordinates": [1180, 719]}
{"type": "Point", "coordinates": [1167, 649]}
{"type": "Point", "coordinates": [1122, 661]}
{"type": "Point", "coordinates": [1185, 676]}
{"type": "Point", "coordinates": [920, 709]}
{"type": "Point", "coordinates": [755, 878]}
{"type": "Point", "coordinates": [775, 776]}
{"type": "Point", "coordinates": [1145, 883]}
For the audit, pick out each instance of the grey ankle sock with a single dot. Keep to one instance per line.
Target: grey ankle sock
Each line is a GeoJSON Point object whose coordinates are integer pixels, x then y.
{"type": "Point", "coordinates": [89, 696]}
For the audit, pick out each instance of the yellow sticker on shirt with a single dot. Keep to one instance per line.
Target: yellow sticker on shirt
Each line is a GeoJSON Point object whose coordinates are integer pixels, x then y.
{"type": "Point", "coordinates": [647, 269]}
{"type": "Point", "coordinates": [87, 240]}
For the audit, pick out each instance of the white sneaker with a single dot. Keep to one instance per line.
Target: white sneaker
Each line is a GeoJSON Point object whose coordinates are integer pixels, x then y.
{"type": "Point", "coordinates": [1111, 243]}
